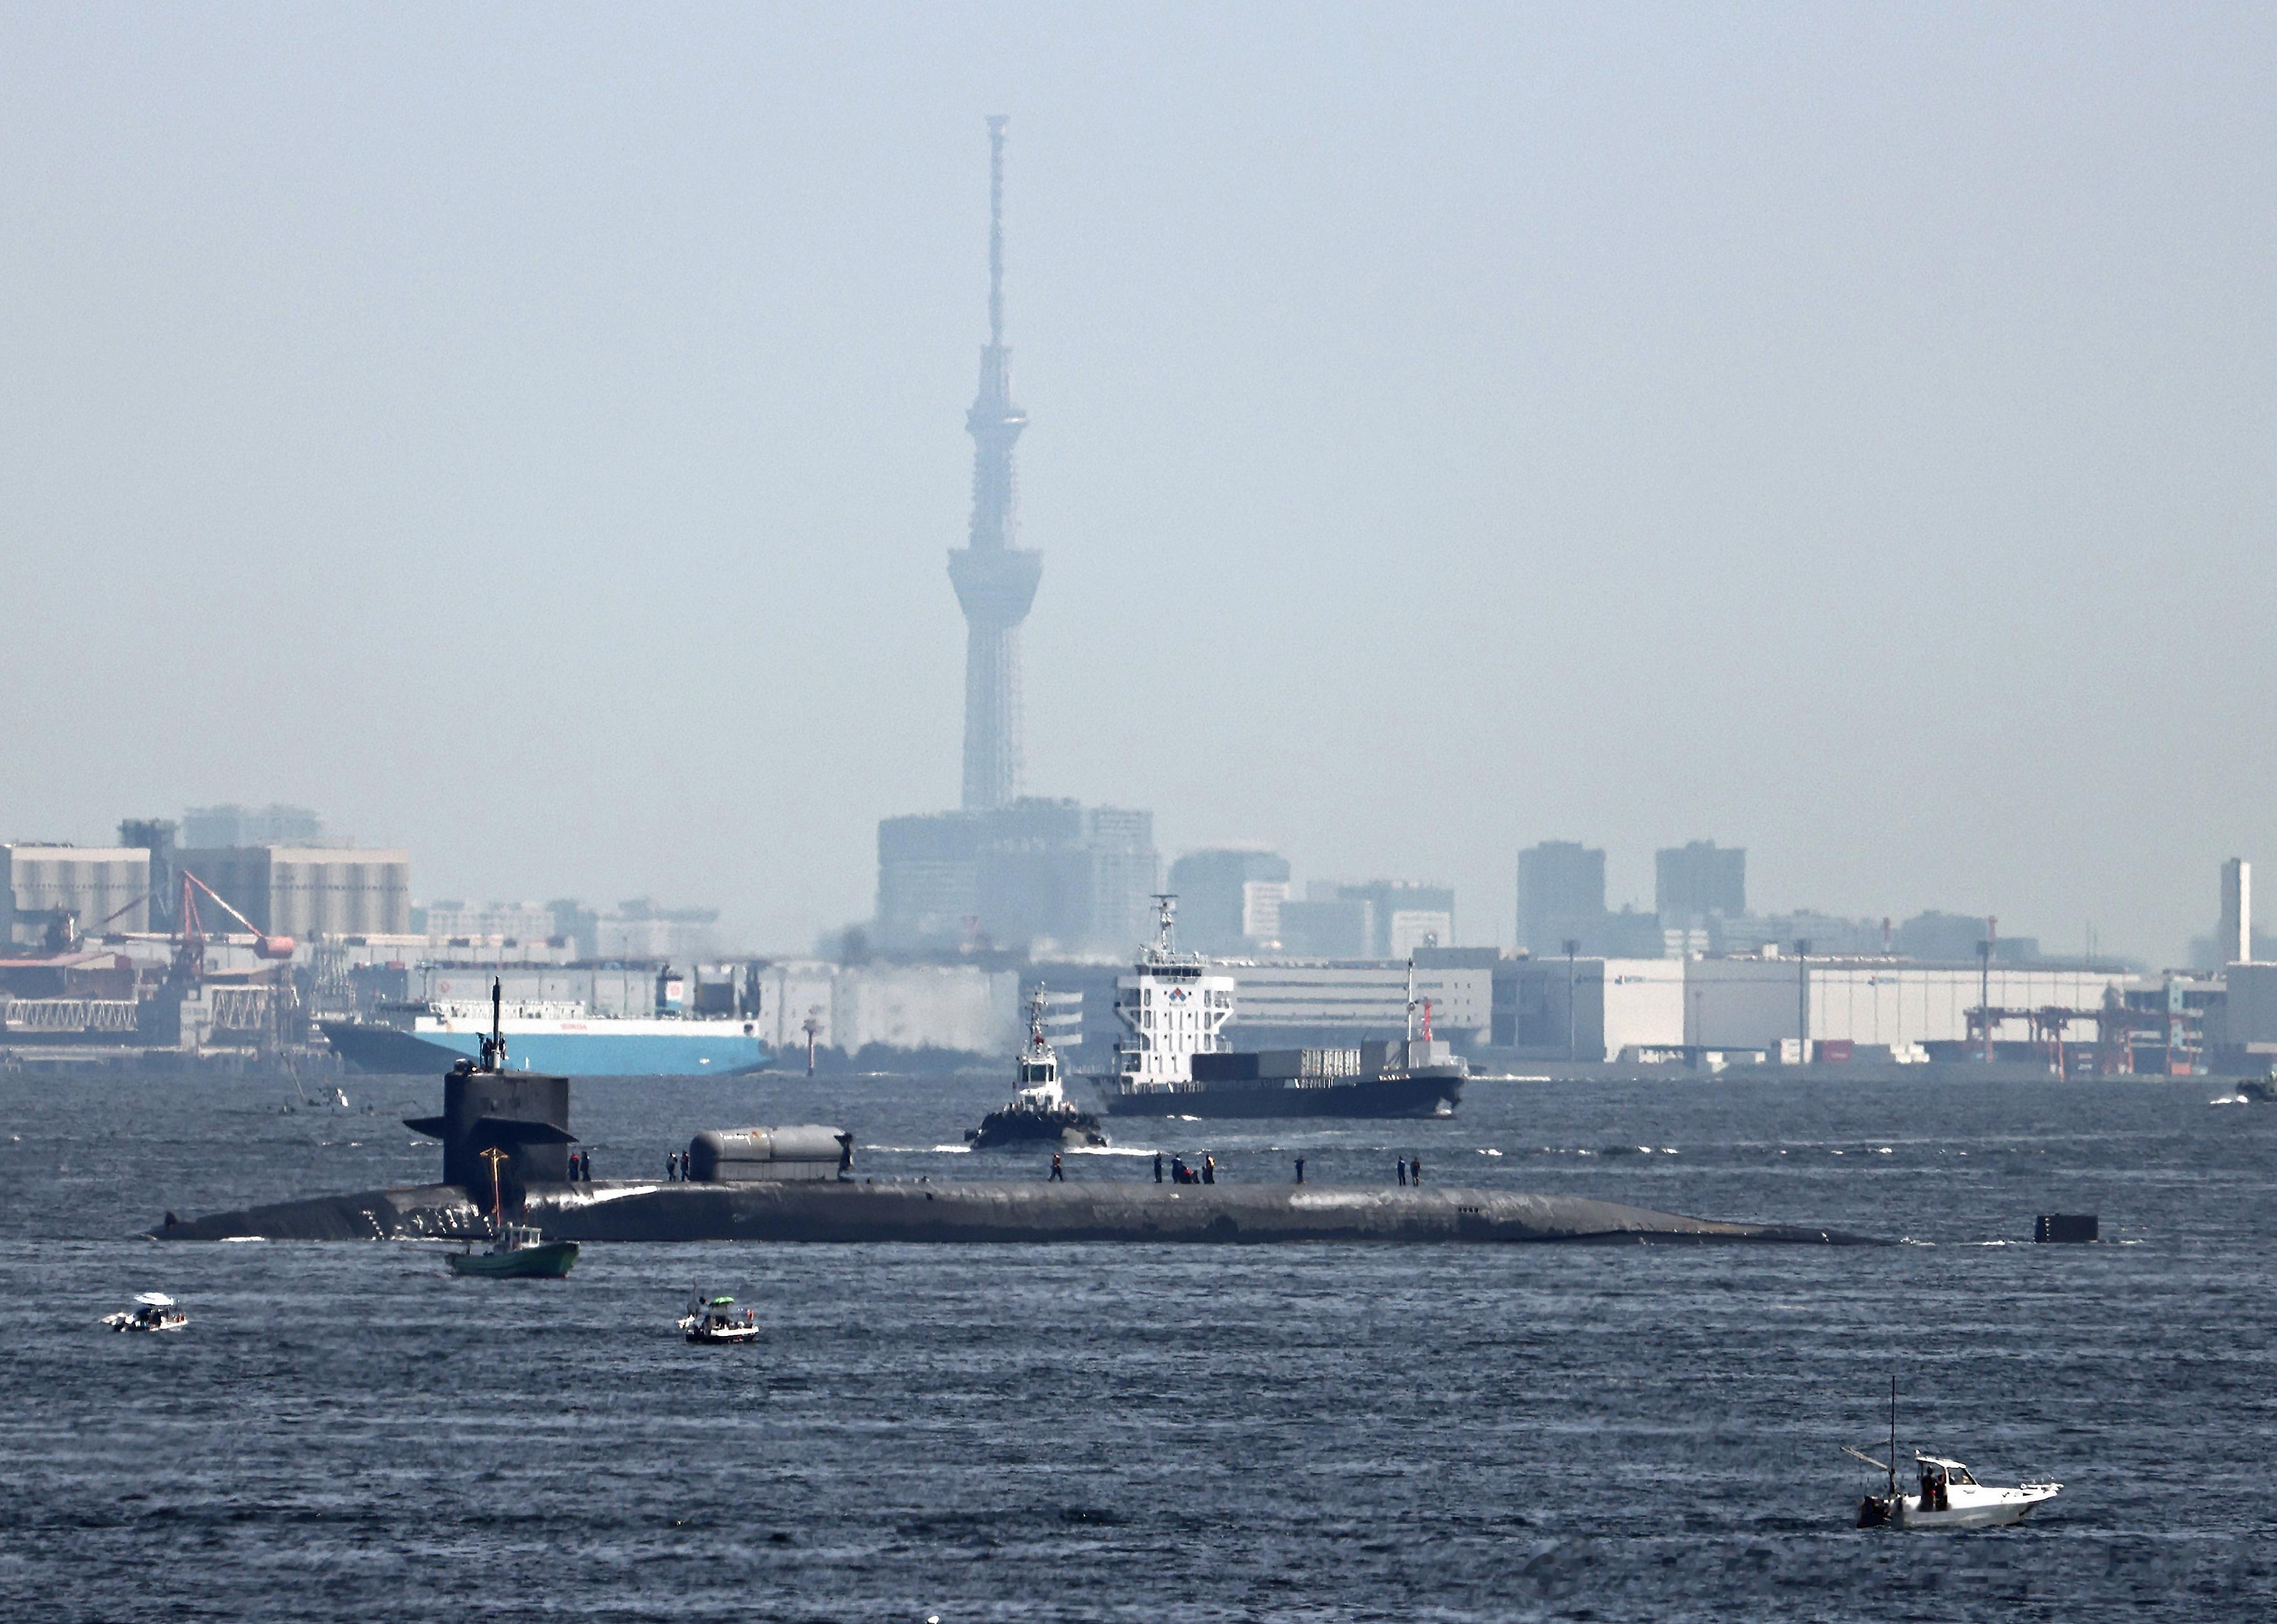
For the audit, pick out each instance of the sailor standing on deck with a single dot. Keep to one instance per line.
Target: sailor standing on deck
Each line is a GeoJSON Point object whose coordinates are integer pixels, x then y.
{"type": "Point", "coordinates": [1403, 1172]}
{"type": "Point", "coordinates": [1158, 1166]}
{"type": "Point", "coordinates": [1059, 1172]}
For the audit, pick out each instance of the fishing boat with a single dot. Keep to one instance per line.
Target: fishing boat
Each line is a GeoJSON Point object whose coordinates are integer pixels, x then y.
{"type": "Point", "coordinates": [517, 1251]}
{"type": "Point", "coordinates": [713, 1320]}
{"type": "Point", "coordinates": [1948, 1496]}
{"type": "Point", "coordinates": [153, 1310]}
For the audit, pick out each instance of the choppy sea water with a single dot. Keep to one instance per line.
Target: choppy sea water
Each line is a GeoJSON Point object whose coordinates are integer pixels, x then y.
{"type": "Point", "coordinates": [1147, 1433]}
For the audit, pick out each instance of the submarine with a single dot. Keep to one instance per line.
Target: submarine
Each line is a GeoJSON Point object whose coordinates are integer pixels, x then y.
{"type": "Point", "coordinates": [798, 1184]}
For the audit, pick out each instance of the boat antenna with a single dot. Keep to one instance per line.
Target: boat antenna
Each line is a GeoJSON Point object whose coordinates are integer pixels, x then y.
{"type": "Point", "coordinates": [1036, 1021]}
{"type": "Point", "coordinates": [494, 1045]}
{"type": "Point", "coordinates": [1411, 997]}
{"type": "Point", "coordinates": [1166, 921]}
{"type": "Point", "coordinates": [1894, 1435]}
{"type": "Point", "coordinates": [494, 1155]}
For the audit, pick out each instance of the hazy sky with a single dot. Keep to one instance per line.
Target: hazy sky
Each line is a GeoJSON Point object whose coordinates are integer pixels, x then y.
{"type": "Point", "coordinates": [532, 434]}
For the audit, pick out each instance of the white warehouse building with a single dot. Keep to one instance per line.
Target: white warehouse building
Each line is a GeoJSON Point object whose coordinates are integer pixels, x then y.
{"type": "Point", "coordinates": [1638, 1007]}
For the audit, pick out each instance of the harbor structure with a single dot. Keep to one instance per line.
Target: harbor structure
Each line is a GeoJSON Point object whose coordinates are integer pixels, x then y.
{"type": "Point", "coordinates": [996, 577]}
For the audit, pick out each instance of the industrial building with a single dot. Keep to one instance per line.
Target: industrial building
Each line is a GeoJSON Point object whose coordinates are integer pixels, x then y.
{"type": "Point", "coordinates": [1595, 1010]}
{"type": "Point", "coordinates": [896, 1007]}
{"type": "Point", "coordinates": [48, 889]}
{"type": "Point", "coordinates": [309, 890]}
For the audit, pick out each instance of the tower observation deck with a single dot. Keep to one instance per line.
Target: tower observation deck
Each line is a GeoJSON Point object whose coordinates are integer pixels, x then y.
{"type": "Point", "coordinates": [995, 578]}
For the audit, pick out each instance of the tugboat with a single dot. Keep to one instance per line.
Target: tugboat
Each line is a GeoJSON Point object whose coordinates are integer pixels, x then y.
{"type": "Point", "coordinates": [1949, 1497]}
{"type": "Point", "coordinates": [712, 1321]}
{"type": "Point", "coordinates": [154, 1310]}
{"type": "Point", "coordinates": [1040, 1112]}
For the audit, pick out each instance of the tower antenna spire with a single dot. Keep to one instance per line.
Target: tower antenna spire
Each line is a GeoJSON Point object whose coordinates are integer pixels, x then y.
{"type": "Point", "coordinates": [996, 123]}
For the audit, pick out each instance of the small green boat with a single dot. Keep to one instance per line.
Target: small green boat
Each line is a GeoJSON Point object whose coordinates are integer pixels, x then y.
{"type": "Point", "coordinates": [520, 1254]}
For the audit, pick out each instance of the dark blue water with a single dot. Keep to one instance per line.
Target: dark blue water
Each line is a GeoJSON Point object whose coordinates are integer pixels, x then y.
{"type": "Point", "coordinates": [1151, 1433]}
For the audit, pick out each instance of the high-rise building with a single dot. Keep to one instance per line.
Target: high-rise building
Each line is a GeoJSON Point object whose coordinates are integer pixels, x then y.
{"type": "Point", "coordinates": [1037, 874]}
{"type": "Point", "coordinates": [995, 578]}
{"type": "Point", "coordinates": [1376, 919]}
{"type": "Point", "coordinates": [1561, 896]}
{"type": "Point", "coordinates": [1229, 901]}
{"type": "Point", "coordinates": [1699, 880]}
{"type": "Point", "coordinates": [2234, 944]}
{"type": "Point", "coordinates": [211, 828]}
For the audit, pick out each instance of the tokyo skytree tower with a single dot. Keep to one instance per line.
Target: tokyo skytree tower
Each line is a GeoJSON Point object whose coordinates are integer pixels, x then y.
{"type": "Point", "coordinates": [995, 578]}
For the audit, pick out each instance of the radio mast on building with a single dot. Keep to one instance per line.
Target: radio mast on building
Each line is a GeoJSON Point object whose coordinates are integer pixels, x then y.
{"type": "Point", "coordinates": [995, 578]}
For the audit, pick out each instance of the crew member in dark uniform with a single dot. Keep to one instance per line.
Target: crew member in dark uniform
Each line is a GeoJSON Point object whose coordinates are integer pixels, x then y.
{"type": "Point", "coordinates": [1059, 1174]}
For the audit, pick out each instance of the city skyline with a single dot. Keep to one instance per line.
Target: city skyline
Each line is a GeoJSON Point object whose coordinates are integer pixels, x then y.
{"type": "Point", "coordinates": [1693, 445]}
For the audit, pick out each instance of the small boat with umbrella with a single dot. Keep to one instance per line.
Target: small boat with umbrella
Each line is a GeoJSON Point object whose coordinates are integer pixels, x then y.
{"type": "Point", "coordinates": [713, 1321]}
{"type": "Point", "coordinates": [153, 1310]}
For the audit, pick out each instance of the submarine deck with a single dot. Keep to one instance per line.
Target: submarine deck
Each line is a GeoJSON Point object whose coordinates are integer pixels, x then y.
{"type": "Point", "coordinates": [983, 1212]}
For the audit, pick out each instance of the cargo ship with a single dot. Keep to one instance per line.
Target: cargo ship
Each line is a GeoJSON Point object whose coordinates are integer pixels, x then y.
{"type": "Point", "coordinates": [563, 1040]}
{"type": "Point", "coordinates": [1172, 1059]}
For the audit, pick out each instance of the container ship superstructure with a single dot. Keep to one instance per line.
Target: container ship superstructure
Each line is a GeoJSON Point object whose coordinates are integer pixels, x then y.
{"type": "Point", "coordinates": [1172, 1058]}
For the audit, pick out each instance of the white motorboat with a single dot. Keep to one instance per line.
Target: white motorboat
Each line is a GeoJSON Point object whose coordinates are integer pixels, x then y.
{"type": "Point", "coordinates": [713, 1320]}
{"type": "Point", "coordinates": [153, 1310]}
{"type": "Point", "coordinates": [1949, 1496]}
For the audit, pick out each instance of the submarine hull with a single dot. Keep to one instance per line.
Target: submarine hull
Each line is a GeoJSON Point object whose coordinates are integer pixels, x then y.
{"type": "Point", "coordinates": [982, 1211]}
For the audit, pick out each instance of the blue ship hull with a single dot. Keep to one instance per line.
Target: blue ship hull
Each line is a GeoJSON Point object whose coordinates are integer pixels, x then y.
{"type": "Point", "coordinates": [703, 1051]}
